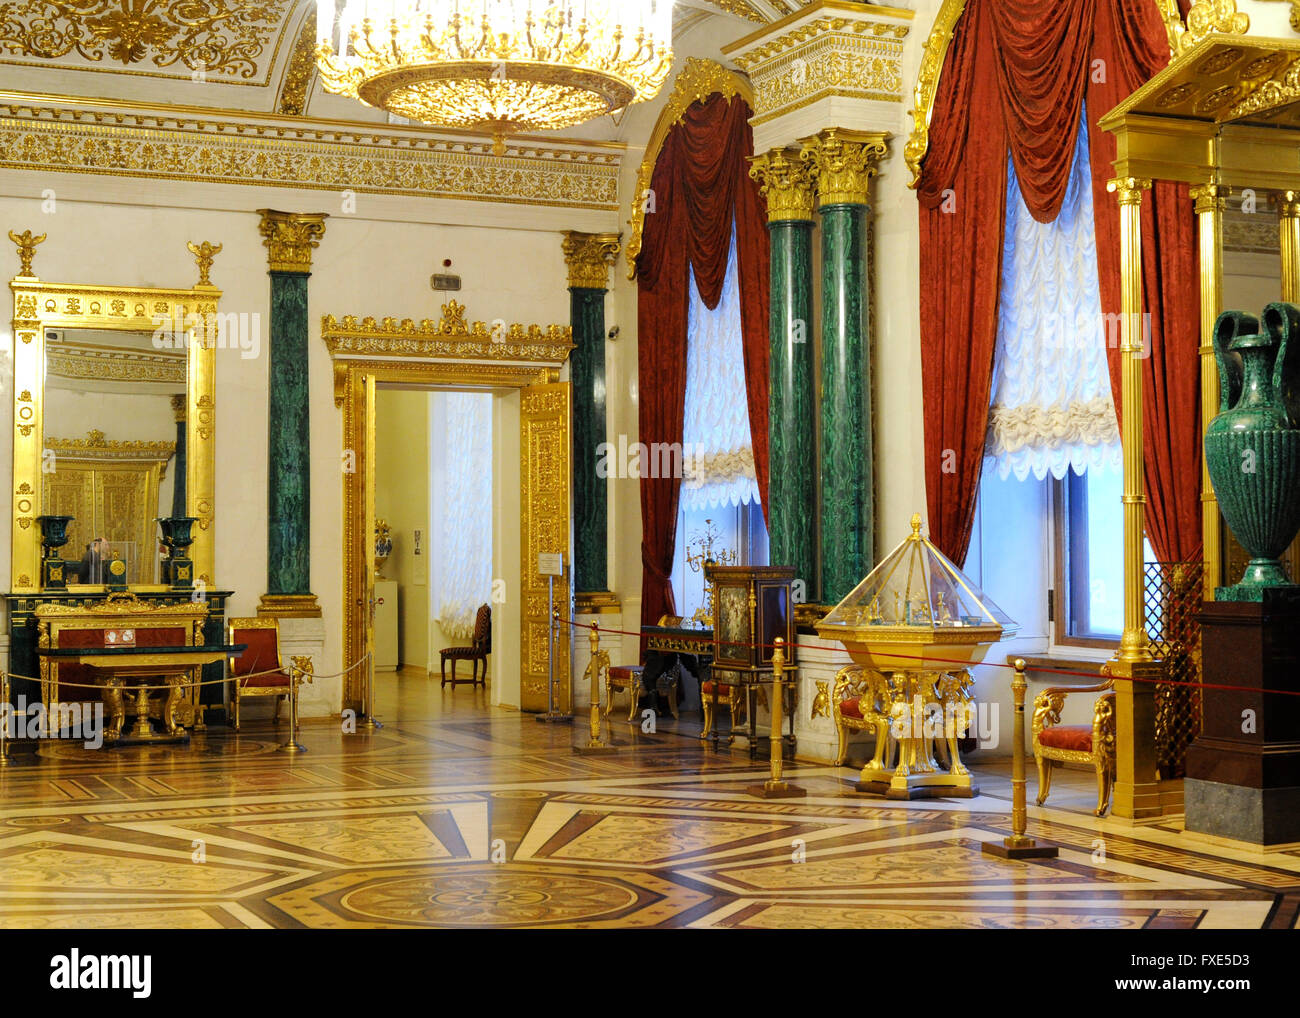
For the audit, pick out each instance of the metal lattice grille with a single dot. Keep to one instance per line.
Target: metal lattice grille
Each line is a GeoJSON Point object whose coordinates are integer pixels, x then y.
{"type": "Point", "coordinates": [1173, 601]}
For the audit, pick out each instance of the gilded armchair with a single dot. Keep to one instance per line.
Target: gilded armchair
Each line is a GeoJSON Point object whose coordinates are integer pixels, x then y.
{"type": "Point", "coordinates": [1091, 744]}
{"type": "Point", "coordinates": [862, 700]}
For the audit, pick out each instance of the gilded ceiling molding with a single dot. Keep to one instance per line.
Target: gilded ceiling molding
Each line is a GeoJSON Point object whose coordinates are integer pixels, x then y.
{"type": "Point", "coordinates": [312, 155]}
{"type": "Point", "coordinates": [1213, 16]}
{"type": "Point", "coordinates": [301, 68]}
{"type": "Point", "coordinates": [290, 237]}
{"type": "Point", "coordinates": [224, 38]}
{"type": "Point", "coordinates": [740, 8]}
{"type": "Point", "coordinates": [589, 257]}
{"type": "Point", "coordinates": [699, 80]}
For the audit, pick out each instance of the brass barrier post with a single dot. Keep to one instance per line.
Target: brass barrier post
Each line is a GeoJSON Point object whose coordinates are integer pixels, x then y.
{"type": "Point", "coordinates": [1018, 846]}
{"type": "Point", "coordinates": [4, 722]}
{"type": "Point", "coordinates": [596, 744]}
{"type": "Point", "coordinates": [299, 667]}
{"type": "Point", "coordinates": [775, 787]}
{"type": "Point", "coordinates": [369, 722]}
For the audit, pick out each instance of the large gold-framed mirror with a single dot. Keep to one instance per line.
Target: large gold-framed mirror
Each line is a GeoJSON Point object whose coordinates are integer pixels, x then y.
{"type": "Point", "coordinates": [113, 387]}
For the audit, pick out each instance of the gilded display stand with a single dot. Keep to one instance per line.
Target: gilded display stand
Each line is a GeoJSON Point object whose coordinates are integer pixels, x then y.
{"type": "Point", "coordinates": [289, 238]}
{"type": "Point", "coordinates": [1223, 117]}
{"type": "Point", "coordinates": [787, 184]}
{"type": "Point", "coordinates": [915, 628]}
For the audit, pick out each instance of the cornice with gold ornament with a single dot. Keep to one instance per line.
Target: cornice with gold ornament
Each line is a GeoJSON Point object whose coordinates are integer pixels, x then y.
{"type": "Point", "coordinates": [452, 337]}
{"type": "Point", "coordinates": [699, 80]}
{"type": "Point", "coordinates": [589, 257]}
{"type": "Point", "coordinates": [842, 164]}
{"type": "Point", "coordinates": [289, 238]}
{"type": "Point", "coordinates": [189, 145]}
{"type": "Point", "coordinates": [740, 8]}
{"type": "Point", "coordinates": [785, 180]}
{"type": "Point", "coordinates": [84, 361]}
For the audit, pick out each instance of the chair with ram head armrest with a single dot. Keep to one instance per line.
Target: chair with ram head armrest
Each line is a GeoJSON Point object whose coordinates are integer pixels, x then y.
{"type": "Point", "coordinates": [259, 670]}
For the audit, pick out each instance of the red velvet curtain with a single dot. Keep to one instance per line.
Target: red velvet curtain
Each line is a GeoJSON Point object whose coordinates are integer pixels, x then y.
{"type": "Point", "coordinates": [701, 186]}
{"type": "Point", "coordinates": [1015, 76]}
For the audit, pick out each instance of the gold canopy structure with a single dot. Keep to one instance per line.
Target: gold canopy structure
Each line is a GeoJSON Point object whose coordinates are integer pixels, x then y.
{"type": "Point", "coordinates": [1224, 117]}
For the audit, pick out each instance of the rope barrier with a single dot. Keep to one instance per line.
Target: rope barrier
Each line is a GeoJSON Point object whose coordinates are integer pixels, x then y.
{"type": "Point", "coordinates": [708, 641]}
{"type": "Point", "coordinates": [193, 685]}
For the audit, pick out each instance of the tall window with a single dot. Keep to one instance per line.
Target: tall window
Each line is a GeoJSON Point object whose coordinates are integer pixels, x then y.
{"type": "Point", "coordinates": [719, 481]}
{"type": "Point", "coordinates": [1052, 412]}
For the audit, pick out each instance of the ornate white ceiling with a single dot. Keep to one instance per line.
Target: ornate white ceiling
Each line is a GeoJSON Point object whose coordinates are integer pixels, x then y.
{"type": "Point", "coordinates": [254, 55]}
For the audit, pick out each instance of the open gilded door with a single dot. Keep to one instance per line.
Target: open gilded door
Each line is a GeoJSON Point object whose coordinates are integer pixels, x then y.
{"type": "Point", "coordinates": [545, 453]}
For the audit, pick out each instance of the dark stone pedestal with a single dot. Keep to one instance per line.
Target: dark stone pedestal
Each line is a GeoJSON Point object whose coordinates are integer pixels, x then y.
{"type": "Point", "coordinates": [1243, 772]}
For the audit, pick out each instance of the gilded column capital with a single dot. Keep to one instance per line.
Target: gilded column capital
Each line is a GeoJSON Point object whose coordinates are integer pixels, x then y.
{"type": "Point", "coordinates": [589, 257]}
{"type": "Point", "coordinates": [289, 238]}
{"type": "Point", "coordinates": [1288, 204]}
{"type": "Point", "coordinates": [1128, 190]}
{"type": "Point", "coordinates": [178, 407]}
{"type": "Point", "coordinates": [1209, 198]}
{"type": "Point", "coordinates": [843, 162]}
{"type": "Point", "coordinates": [786, 182]}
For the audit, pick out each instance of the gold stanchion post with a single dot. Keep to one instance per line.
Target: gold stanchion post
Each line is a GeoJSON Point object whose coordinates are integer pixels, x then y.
{"type": "Point", "coordinates": [596, 667]}
{"type": "Point", "coordinates": [369, 722]}
{"type": "Point", "coordinates": [1018, 846]}
{"type": "Point", "coordinates": [775, 787]}
{"type": "Point", "coordinates": [4, 722]}
{"type": "Point", "coordinates": [299, 668]}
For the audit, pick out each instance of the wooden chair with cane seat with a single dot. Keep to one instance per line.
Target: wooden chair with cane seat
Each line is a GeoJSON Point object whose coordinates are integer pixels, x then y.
{"type": "Point", "coordinates": [478, 650]}
{"type": "Point", "coordinates": [1088, 744]}
{"type": "Point", "coordinates": [259, 670]}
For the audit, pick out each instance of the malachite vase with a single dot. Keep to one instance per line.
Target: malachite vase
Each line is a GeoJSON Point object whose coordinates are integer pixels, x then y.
{"type": "Point", "coordinates": [1253, 446]}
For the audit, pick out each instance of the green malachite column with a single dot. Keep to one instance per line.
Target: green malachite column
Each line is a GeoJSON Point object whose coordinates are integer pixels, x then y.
{"type": "Point", "coordinates": [843, 163]}
{"type": "Point", "coordinates": [289, 238]}
{"type": "Point", "coordinates": [589, 256]}
{"type": "Point", "coordinates": [791, 494]}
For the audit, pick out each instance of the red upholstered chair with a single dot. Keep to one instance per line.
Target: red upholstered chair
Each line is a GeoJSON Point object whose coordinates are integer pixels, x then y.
{"type": "Point", "coordinates": [731, 696]}
{"type": "Point", "coordinates": [1091, 744]}
{"type": "Point", "coordinates": [624, 677]}
{"type": "Point", "coordinates": [262, 656]}
{"type": "Point", "coordinates": [478, 650]}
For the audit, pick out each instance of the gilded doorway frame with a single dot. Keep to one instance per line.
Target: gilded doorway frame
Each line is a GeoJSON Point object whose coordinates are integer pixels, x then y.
{"type": "Point", "coordinates": [452, 353]}
{"type": "Point", "coordinates": [40, 305]}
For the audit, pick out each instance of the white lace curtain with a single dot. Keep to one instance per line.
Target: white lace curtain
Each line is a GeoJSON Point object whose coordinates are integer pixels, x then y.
{"type": "Point", "coordinates": [1052, 408]}
{"type": "Point", "coordinates": [717, 453]}
{"type": "Point", "coordinates": [461, 481]}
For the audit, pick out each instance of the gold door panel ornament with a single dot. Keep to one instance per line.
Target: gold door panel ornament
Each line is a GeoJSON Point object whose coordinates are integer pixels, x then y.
{"type": "Point", "coordinates": [545, 463]}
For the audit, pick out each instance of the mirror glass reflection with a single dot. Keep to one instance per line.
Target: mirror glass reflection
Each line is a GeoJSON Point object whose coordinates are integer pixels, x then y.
{"type": "Point", "coordinates": [114, 447]}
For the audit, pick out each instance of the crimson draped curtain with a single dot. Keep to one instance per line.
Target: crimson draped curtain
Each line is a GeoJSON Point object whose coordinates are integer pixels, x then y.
{"type": "Point", "coordinates": [1015, 78]}
{"type": "Point", "coordinates": [700, 186]}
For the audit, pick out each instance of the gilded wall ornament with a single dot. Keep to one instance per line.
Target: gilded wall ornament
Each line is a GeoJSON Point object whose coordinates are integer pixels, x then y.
{"type": "Point", "coordinates": [209, 36]}
{"type": "Point", "coordinates": [589, 257]}
{"type": "Point", "coordinates": [785, 181]}
{"type": "Point", "coordinates": [302, 66]}
{"type": "Point", "coordinates": [204, 254]}
{"type": "Point", "coordinates": [1209, 17]}
{"type": "Point", "coordinates": [289, 238]}
{"type": "Point", "coordinates": [26, 251]}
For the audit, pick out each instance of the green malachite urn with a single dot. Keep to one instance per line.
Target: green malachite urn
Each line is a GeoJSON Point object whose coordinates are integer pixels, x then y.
{"type": "Point", "coordinates": [1252, 447]}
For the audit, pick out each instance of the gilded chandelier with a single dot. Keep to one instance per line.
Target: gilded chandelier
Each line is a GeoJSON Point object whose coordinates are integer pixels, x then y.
{"type": "Point", "coordinates": [503, 66]}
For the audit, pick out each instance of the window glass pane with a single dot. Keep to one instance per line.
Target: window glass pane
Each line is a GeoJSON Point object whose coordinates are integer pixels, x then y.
{"type": "Point", "coordinates": [1104, 558]}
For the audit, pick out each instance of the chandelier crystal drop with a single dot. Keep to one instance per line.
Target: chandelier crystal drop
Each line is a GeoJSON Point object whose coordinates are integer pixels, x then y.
{"type": "Point", "coordinates": [503, 66]}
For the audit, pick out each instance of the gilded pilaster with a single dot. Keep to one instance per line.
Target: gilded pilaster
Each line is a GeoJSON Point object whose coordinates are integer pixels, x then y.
{"type": "Point", "coordinates": [1288, 215]}
{"type": "Point", "coordinates": [786, 183]}
{"type": "Point", "coordinates": [589, 257]}
{"type": "Point", "coordinates": [289, 238]}
{"type": "Point", "coordinates": [1134, 670]}
{"type": "Point", "coordinates": [1210, 203]}
{"type": "Point", "coordinates": [842, 164]}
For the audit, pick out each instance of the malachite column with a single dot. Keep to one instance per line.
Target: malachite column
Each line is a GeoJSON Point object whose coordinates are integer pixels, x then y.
{"type": "Point", "coordinates": [792, 439]}
{"type": "Point", "coordinates": [589, 257]}
{"type": "Point", "coordinates": [289, 238]}
{"type": "Point", "coordinates": [842, 164]}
